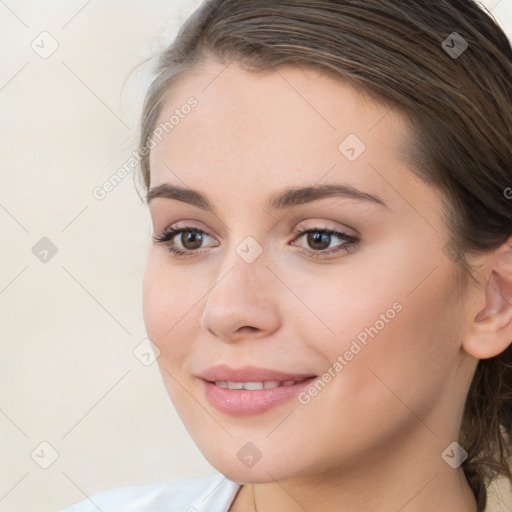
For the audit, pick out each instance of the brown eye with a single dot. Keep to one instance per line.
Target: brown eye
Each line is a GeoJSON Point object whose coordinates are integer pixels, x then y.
{"type": "Point", "coordinates": [191, 240]}
{"type": "Point", "coordinates": [318, 240]}
{"type": "Point", "coordinates": [188, 243]}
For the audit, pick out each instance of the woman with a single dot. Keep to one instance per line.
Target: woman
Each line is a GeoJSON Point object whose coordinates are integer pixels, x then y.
{"type": "Point", "coordinates": [329, 283]}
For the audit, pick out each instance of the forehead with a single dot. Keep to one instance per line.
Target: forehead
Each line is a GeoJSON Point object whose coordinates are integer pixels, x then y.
{"type": "Point", "coordinates": [279, 127]}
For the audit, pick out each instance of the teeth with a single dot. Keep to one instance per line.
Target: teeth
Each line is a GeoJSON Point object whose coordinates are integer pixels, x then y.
{"type": "Point", "coordinates": [249, 385]}
{"type": "Point", "coordinates": [269, 384]}
{"type": "Point", "coordinates": [235, 385]}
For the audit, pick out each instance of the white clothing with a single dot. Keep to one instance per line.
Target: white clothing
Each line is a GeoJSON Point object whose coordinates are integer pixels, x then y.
{"type": "Point", "coordinates": [210, 494]}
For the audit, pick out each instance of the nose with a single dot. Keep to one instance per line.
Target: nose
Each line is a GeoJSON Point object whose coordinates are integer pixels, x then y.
{"type": "Point", "coordinates": [242, 302]}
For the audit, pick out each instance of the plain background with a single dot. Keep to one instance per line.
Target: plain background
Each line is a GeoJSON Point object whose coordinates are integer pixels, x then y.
{"type": "Point", "coordinates": [71, 321]}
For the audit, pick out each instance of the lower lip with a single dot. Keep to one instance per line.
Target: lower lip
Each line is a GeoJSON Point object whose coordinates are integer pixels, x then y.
{"type": "Point", "coordinates": [243, 402]}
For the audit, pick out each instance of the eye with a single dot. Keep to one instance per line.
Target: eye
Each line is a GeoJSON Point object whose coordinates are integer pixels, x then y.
{"type": "Point", "coordinates": [189, 241]}
{"type": "Point", "coordinates": [320, 238]}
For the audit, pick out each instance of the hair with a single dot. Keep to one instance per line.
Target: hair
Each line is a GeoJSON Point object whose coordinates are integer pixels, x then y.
{"type": "Point", "coordinates": [459, 108]}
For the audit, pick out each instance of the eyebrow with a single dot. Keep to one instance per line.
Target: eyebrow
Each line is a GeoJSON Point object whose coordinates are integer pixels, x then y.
{"type": "Point", "coordinates": [288, 198]}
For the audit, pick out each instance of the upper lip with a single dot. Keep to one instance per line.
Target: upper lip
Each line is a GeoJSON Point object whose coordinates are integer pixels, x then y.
{"type": "Point", "coordinates": [249, 374]}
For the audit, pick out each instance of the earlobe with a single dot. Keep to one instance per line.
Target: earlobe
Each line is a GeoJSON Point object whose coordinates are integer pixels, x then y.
{"type": "Point", "coordinates": [491, 330]}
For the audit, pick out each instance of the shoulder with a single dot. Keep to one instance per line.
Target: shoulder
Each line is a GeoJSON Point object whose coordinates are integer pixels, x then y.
{"type": "Point", "coordinates": [214, 493]}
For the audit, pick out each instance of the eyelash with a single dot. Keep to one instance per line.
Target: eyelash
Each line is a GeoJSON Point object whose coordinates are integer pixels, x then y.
{"type": "Point", "coordinates": [165, 238]}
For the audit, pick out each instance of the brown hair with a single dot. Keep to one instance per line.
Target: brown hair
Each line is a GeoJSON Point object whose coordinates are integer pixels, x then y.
{"type": "Point", "coordinates": [459, 105]}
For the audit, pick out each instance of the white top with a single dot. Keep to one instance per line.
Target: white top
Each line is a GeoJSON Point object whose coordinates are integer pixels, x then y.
{"type": "Point", "coordinates": [211, 494]}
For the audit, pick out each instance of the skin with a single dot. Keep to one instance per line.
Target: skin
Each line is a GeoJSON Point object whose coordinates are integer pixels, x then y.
{"type": "Point", "coordinates": [372, 438]}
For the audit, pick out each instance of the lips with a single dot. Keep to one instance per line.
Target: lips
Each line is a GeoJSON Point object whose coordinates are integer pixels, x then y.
{"type": "Point", "coordinates": [250, 390]}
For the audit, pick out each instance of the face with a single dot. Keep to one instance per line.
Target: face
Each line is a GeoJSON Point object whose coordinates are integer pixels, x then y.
{"type": "Point", "coordinates": [340, 293]}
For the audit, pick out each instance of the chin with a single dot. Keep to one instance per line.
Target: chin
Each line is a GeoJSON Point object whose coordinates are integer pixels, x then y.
{"type": "Point", "coordinates": [241, 469]}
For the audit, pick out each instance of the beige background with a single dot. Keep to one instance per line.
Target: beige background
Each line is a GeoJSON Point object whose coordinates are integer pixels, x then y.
{"type": "Point", "coordinates": [69, 325]}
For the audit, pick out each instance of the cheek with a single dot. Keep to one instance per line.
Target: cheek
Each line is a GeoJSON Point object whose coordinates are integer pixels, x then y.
{"type": "Point", "coordinates": [350, 302]}
{"type": "Point", "coordinates": [157, 314]}
{"type": "Point", "coordinates": [397, 341]}
{"type": "Point", "coordinates": [402, 365]}
{"type": "Point", "coordinates": [168, 307]}
{"type": "Point", "coordinates": [169, 304]}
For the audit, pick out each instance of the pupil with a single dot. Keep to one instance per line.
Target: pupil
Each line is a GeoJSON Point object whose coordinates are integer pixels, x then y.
{"type": "Point", "coordinates": [191, 240]}
{"type": "Point", "coordinates": [318, 238]}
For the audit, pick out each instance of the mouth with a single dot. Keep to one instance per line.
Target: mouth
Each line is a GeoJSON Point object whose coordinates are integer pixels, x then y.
{"type": "Point", "coordinates": [250, 390]}
{"type": "Point", "coordinates": [250, 386]}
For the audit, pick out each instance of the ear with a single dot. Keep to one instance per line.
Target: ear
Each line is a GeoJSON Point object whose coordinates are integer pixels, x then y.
{"type": "Point", "coordinates": [491, 330]}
